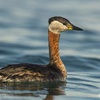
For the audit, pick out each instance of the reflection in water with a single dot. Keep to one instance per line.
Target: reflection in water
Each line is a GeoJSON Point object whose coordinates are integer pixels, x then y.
{"type": "Point", "coordinates": [33, 89]}
{"type": "Point", "coordinates": [23, 38]}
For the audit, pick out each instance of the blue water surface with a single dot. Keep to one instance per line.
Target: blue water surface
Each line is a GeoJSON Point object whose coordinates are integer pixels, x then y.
{"type": "Point", "coordinates": [23, 39]}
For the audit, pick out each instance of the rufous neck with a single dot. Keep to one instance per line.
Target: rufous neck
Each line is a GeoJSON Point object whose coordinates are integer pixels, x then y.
{"type": "Point", "coordinates": [54, 48]}
{"type": "Point", "coordinates": [55, 59]}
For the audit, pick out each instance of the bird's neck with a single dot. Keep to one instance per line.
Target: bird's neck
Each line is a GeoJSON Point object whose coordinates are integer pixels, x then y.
{"type": "Point", "coordinates": [55, 59]}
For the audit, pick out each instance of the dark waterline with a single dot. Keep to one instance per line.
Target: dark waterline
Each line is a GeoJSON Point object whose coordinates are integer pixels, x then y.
{"type": "Point", "coordinates": [23, 39]}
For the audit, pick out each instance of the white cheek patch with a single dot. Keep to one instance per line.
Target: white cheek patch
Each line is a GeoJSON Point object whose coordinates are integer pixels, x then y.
{"type": "Point", "coordinates": [56, 27]}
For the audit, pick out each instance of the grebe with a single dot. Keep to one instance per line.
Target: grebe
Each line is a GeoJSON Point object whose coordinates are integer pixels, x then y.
{"type": "Point", "coordinates": [54, 71]}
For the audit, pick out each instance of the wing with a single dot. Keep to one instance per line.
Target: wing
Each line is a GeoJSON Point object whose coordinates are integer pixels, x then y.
{"type": "Point", "coordinates": [23, 73]}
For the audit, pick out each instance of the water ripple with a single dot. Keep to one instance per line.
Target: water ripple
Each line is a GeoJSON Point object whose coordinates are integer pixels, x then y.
{"type": "Point", "coordinates": [23, 39]}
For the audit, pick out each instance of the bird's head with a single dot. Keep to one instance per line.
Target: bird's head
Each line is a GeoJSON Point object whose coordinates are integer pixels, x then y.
{"type": "Point", "coordinates": [58, 24]}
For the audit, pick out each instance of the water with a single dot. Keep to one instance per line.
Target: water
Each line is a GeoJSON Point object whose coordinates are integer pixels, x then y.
{"type": "Point", "coordinates": [23, 38]}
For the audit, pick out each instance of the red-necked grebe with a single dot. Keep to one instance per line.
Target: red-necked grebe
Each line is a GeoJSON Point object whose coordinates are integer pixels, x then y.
{"type": "Point", "coordinates": [54, 71]}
